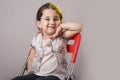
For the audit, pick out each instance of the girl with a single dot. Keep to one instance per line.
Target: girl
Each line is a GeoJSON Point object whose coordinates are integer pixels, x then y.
{"type": "Point", "coordinates": [47, 56]}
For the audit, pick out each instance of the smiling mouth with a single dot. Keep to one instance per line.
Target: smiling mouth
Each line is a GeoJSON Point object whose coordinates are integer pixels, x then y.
{"type": "Point", "coordinates": [51, 27]}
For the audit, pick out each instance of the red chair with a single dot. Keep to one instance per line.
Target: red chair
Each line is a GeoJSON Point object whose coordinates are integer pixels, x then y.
{"type": "Point", "coordinates": [71, 48]}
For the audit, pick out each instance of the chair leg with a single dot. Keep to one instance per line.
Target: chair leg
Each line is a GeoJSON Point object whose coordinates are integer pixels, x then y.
{"type": "Point", "coordinates": [71, 71]}
{"type": "Point", "coordinates": [24, 67]}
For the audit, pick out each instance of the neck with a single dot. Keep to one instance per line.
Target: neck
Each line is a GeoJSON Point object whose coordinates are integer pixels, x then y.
{"type": "Point", "coordinates": [44, 37]}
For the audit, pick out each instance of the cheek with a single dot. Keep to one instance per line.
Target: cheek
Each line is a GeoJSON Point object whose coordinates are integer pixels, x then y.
{"type": "Point", "coordinates": [58, 23]}
{"type": "Point", "coordinates": [44, 24]}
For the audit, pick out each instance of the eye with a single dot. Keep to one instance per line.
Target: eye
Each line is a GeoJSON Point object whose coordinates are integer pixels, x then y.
{"type": "Point", "coordinates": [56, 19]}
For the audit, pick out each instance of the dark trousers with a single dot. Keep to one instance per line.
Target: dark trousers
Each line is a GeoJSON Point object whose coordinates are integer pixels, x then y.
{"type": "Point", "coordinates": [35, 77]}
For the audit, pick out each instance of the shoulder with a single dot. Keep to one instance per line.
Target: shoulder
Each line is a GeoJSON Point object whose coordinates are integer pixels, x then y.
{"type": "Point", "coordinates": [37, 36]}
{"type": "Point", "coordinates": [35, 39]}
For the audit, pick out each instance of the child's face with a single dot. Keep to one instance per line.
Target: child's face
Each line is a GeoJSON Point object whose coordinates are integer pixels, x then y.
{"type": "Point", "coordinates": [49, 22]}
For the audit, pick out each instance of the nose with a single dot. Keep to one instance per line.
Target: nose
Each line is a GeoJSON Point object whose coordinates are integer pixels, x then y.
{"type": "Point", "coordinates": [52, 21]}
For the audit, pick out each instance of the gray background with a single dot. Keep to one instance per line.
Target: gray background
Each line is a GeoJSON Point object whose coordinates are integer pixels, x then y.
{"type": "Point", "coordinates": [99, 53]}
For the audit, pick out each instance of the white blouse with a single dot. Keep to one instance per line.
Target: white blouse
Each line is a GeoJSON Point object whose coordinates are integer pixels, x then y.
{"type": "Point", "coordinates": [50, 56]}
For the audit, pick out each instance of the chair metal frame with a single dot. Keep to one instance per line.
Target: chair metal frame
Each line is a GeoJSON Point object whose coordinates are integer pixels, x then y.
{"type": "Point", "coordinates": [71, 48]}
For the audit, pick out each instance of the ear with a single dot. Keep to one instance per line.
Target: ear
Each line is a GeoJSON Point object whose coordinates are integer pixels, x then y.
{"type": "Point", "coordinates": [39, 24]}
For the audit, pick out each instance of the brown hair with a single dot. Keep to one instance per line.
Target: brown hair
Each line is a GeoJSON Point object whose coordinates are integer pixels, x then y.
{"type": "Point", "coordinates": [48, 6]}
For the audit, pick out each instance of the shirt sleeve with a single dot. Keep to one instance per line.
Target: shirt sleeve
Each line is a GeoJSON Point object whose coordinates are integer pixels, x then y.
{"type": "Point", "coordinates": [33, 42]}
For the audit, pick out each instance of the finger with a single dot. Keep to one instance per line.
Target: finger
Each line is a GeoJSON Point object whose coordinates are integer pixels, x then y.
{"type": "Point", "coordinates": [51, 36]}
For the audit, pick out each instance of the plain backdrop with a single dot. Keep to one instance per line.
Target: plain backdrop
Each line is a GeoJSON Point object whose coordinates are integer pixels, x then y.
{"type": "Point", "coordinates": [99, 53]}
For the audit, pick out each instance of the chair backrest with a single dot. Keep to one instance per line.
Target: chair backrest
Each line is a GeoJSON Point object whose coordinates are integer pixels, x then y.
{"type": "Point", "coordinates": [73, 48]}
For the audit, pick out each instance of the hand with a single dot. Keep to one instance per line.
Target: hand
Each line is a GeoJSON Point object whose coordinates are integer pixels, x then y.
{"type": "Point", "coordinates": [57, 33]}
{"type": "Point", "coordinates": [53, 36]}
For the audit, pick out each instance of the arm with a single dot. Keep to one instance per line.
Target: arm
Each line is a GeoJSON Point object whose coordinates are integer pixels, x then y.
{"type": "Point", "coordinates": [30, 59]}
{"type": "Point", "coordinates": [70, 29]}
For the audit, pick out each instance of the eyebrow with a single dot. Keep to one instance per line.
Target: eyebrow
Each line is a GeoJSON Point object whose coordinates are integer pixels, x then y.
{"type": "Point", "coordinates": [49, 17]}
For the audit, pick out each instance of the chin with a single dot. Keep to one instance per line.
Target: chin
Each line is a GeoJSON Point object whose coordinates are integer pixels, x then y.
{"type": "Point", "coordinates": [51, 33]}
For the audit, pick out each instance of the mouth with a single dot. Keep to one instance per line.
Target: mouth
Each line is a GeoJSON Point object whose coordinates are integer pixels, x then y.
{"type": "Point", "coordinates": [51, 27]}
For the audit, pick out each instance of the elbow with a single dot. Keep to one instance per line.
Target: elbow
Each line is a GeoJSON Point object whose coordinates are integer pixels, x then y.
{"type": "Point", "coordinates": [80, 27]}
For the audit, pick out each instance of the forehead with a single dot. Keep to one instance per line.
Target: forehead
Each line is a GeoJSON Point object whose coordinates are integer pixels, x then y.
{"type": "Point", "coordinates": [50, 13]}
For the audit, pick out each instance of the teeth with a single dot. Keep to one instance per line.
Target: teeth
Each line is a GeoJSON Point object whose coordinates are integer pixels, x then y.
{"type": "Point", "coordinates": [51, 27]}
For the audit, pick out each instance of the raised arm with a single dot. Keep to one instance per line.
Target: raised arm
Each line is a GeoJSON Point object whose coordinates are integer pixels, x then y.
{"type": "Point", "coordinates": [70, 29]}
